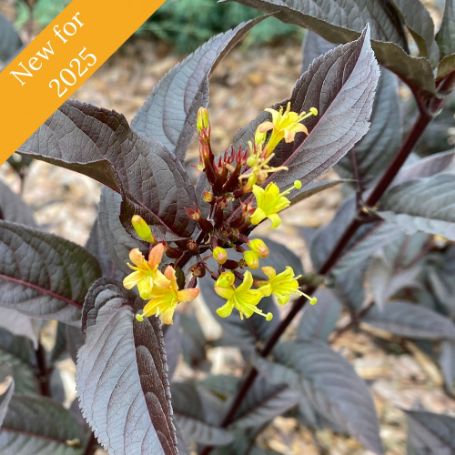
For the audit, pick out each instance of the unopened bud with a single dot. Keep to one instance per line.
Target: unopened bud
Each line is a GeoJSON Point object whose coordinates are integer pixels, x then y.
{"type": "Point", "coordinates": [220, 255]}
{"type": "Point", "coordinates": [259, 247]}
{"type": "Point", "coordinates": [207, 196]}
{"type": "Point", "coordinates": [142, 229]}
{"type": "Point", "coordinates": [202, 119]}
{"type": "Point", "coordinates": [252, 259]}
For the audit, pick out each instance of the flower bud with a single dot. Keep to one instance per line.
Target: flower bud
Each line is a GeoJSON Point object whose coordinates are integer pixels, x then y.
{"type": "Point", "coordinates": [207, 196]}
{"type": "Point", "coordinates": [142, 229]}
{"type": "Point", "coordinates": [220, 255]}
{"type": "Point", "coordinates": [202, 119]}
{"type": "Point", "coordinates": [259, 247]}
{"type": "Point", "coordinates": [252, 259]}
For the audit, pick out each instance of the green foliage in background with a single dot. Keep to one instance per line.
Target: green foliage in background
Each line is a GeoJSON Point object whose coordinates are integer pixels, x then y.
{"type": "Point", "coordinates": [185, 24]}
{"type": "Point", "coordinates": [188, 23]}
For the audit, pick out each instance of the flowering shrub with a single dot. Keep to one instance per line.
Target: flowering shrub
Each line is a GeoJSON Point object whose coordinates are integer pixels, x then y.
{"type": "Point", "coordinates": [170, 236]}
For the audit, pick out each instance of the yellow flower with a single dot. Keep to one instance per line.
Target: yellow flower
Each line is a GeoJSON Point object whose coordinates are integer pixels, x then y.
{"type": "Point", "coordinates": [269, 202]}
{"type": "Point", "coordinates": [165, 297]}
{"type": "Point", "coordinates": [144, 270]}
{"type": "Point", "coordinates": [242, 298]}
{"type": "Point", "coordinates": [259, 247]}
{"type": "Point", "coordinates": [284, 125]}
{"type": "Point", "coordinates": [283, 286]}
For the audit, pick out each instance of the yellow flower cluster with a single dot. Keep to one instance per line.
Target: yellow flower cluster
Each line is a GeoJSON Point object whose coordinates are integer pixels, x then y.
{"type": "Point", "coordinates": [245, 298]}
{"type": "Point", "coordinates": [160, 289]}
{"type": "Point", "coordinates": [285, 124]}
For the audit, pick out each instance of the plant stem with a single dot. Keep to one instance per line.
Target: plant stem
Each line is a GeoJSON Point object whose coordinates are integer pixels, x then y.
{"type": "Point", "coordinates": [383, 184]}
{"type": "Point", "coordinates": [43, 371]}
{"type": "Point", "coordinates": [92, 445]}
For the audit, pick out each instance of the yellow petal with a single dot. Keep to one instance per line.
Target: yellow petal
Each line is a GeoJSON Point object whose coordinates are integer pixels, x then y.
{"type": "Point", "coordinates": [225, 311]}
{"type": "Point", "coordinates": [131, 280]}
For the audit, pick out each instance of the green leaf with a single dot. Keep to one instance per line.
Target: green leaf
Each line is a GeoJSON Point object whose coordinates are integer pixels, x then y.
{"type": "Point", "coordinates": [99, 143]}
{"type": "Point", "coordinates": [38, 425]}
{"type": "Point", "coordinates": [410, 320]}
{"type": "Point", "coordinates": [169, 115]}
{"type": "Point", "coordinates": [331, 385]}
{"type": "Point", "coordinates": [10, 42]}
{"type": "Point", "coordinates": [446, 35]}
{"type": "Point", "coordinates": [122, 375]}
{"type": "Point", "coordinates": [199, 415]}
{"type": "Point", "coordinates": [425, 205]}
{"type": "Point", "coordinates": [42, 275]}
{"type": "Point", "coordinates": [430, 433]}
{"type": "Point", "coordinates": [341, 22]}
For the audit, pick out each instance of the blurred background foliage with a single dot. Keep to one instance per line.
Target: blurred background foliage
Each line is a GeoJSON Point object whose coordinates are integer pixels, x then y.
{"type": "Point", "coordinates": [184, 24]}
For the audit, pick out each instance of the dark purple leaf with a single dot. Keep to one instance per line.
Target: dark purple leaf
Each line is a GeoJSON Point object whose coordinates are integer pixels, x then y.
{"type": "Point", "coordinates": [425, 205]}
{"type": "Point", "coordinates": [43, 276]}
{"type": "Point", "coordinates": [430, 433]}
{"type": "Point", "coordinates": [318, 321]}
{"type": "Point", "coordinates": [340, 22]}
{"type": "Point", "coordinates": [198, 415]}
{"type": "Point", "coordinates": [5, 398]}
{"type": "Point", "coordinates": [410, 320]}
{"type": "Point", "coordinates": [169, 115]}
{"type": "Point", "coordinates": [36, 425]}
{"type": "Point", "coordinates": [446, 35]}
{"type": "Point", "coordinates": [331, 385]}
{"type": "Point", "coordinates": [100, 144]}
{"type": "Point", "coordinates": [264, 402]}
{"type": "Point", "coordinates": [13, 208]}
{"type": "Point", "coordinates": [122, 375]}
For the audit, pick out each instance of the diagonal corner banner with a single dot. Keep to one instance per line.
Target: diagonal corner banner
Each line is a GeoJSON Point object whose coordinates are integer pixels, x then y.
{"type": "Point", "coordinates": [60, 59]}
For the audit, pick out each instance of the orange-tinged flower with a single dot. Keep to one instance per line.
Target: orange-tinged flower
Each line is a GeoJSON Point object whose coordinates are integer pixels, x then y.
{"type": "Point", "coordinates": [144, 270]}
{"type": "Point", "coordinates": [165, 297]}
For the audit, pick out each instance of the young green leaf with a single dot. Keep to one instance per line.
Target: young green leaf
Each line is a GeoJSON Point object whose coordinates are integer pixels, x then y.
{"type": "Point", "coordinates": [122, 375]}
{"type": "Point", "coordinates": [43, 276]}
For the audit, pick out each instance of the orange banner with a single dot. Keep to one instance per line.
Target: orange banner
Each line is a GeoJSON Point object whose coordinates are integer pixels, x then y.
{"type": "Point", "coordinates": [60, 59]}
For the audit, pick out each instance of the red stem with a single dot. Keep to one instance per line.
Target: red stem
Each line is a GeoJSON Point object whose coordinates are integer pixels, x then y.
{"type": "Point", "coordinates": [383, 184]}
